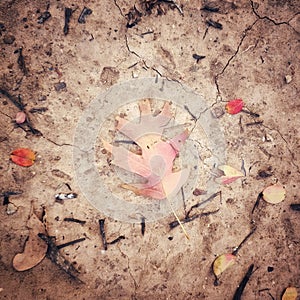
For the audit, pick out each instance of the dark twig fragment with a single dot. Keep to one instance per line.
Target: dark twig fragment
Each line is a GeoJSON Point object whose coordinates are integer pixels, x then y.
{"type": "Point", "coordinates": [38, 110]}
{"type": "Point", "coordinates": [295, 207]}
{"type": "Point", "coordinates": [44, 17]}
{"type": "Point", "coordinates": [118, 239]}
{"type": "Point", "coordinates": [243, 242]}
{"type": "Point", "coordinates": [21, 62]}
{"type": "Point", "coordinates": [125, 142]}
{"type": "Point", "coordinates": [85, 12]}
{"type": "Point", "coordinates": [70, 243]}
{"type": "Point", "coordinates": [263, 174]}
{"type": "Point", "coordinates": [201, 203]}
{"type": "Point", "coordinates": [214, 24]}
{"type": "Point", "coordinates": [30, 127]}
{"type": "Point", "coordinates": [254, 123]}
{"type": "Point", "coordinates": [145, 33]}
{"type": "Point", "coordinates": [6, 195]}
{"type": "Point", "coordinates": [209, 8]}
{"type": "Point", "coordinates": [205, 32]}
{"type": "Point", "coordinates": [250, 113]}
{"type": "Point", "coordinates": [198, 57]}
{"type": "Point", "coordinates": [133, 17]}
{"type": "Point", "coordinates": [17, 102]}
{"type": "Point", "coordinates": [74, 220]}
{"type": "Point", "coordinates": [68, 14]}
{"type": "Point", "coordinates": [243, 283]}
{"type": "Point", "coordinates": [54, 255]}
{"type": "Point", "coordinates": [190, 219]}
{"type": "Point", "coordinates": [175, 4]}
{"type": "Point", "coordinates": [259, 197]}
{"type": "Point", "coordinates": [143, 225]}
{"type": "Point", "coordinates": [191, 114]}
{"type": "Point", "coordinates": [102, 233]}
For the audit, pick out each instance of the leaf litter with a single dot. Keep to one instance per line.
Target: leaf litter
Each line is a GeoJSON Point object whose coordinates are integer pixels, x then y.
{"type": "Point", "coordinates": [35, 249]}
{"type": "Point", "coordinates": [23, 157]}
{"type": "Point", "coordinates": [156, 162]}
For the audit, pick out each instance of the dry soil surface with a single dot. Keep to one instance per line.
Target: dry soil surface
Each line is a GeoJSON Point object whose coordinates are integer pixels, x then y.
{"type": "Point", "coordinates": [254, 56]}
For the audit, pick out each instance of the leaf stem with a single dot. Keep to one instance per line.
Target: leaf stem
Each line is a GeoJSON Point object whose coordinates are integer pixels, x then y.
{"type": "Point", "coordinates": [179, 222]}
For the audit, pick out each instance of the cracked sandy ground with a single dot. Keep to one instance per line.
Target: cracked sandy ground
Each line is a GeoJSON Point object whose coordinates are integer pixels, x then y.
{"type": "Point", "coordinates": [249, 59]}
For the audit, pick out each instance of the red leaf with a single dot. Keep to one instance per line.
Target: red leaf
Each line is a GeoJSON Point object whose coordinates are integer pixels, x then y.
{"type": "Point", "coordinates": [234, 106]}
{"type": "Point", "coordinates": [23, 157]}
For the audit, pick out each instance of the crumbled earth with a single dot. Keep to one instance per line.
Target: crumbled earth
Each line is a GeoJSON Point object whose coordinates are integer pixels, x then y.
{"type": "Point", "coordinates": [254, 56]}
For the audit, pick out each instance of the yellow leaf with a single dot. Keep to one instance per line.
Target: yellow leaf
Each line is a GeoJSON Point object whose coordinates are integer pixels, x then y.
{"type": "Point", "coordinates": [230, 174]}
{"type": "Point", "coordinates": [290, 293]}
{"type": "Point", "coordinates": [274, 193]}
{"type": "Point", "coordinates": [223, 262]}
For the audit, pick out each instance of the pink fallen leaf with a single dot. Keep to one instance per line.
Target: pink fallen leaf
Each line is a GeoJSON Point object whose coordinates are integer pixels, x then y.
{"type": "Point", "coordinates": [155, 164]}
{"type": "Point", "coordinates": [274, 194]}
{"type": "Point", "coordinates": [20, 117]}
{"type": "Point", "coordinates": [290, 293]}
{"type": "Point", "coordinates": [230, 174]}
{"type": "Point", "coordinates": [222, 263]}
{"type": "Point", "coordinates": [35, 248]}
{"type": "Point", "coordinates": [234, 106]}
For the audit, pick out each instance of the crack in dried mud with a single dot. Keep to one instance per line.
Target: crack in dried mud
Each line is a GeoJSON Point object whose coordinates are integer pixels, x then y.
{"type": "Point", "coordinates": [271, 20]}
{"type": "Point", "coordinates": [133, 296]}
{"type": "Point", "coordinates": [287, 146]}
{"type": "Point", "coordinates": [244, 35]}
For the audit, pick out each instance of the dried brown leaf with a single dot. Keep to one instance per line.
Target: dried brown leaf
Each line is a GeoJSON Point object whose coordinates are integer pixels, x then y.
{"type": "Point", "coordinates": [35, 248]}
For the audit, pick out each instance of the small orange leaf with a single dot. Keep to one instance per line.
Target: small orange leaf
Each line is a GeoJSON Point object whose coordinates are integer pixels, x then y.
{"type": "Point", "coordinates": [222, 263]}
{"type": "Point", "coordinates": [20, 117]}
{"type": "Point", "coordinates": [234, 106]}
{"type": "Point", "coordinates": [23, 157]}
{"type": "Point", "coordinates": [274, 193]}
{"type": "Point", "coordinates": [290, 293]}
{"type": "Point", "coordinates": [230, 174]}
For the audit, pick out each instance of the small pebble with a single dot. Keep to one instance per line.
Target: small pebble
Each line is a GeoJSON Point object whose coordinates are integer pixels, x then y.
{"type": "Point", "coordinates": [60, 86]}
{"type": "Point", "coordinates": [20, 117]}
{"type": "Point", "coordinates": [8, 39]}
{"type": "Point", "coordinates": [11, 209]}
{"type": "Point", "coordinates": [270, 269]}
{"type": "Point", "coordinates": [217, 112]}
{"type": "Point", "coordinates": [135, 74]}
{"type": "Point", "coordinates": [198, 192]}
{"type": "Point", "coordinates": [288, 79]}
{"type": "Point", "coordinates": [42, 98]}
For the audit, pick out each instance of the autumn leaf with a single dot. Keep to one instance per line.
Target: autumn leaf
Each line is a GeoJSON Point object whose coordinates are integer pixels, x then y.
{"type": "Point", "coordinates": [222, 263]}
{"type": "Point", "coordinates": [23, 157]}
{"type": "Point", "coordinates": [234, 106]}
{"type": "Point", "coordinates": [290, 293]}
{"type": "Point", "coordinates": [155, 164]}
{"type": "Point", "coordinates": [35, 249]}
{"type": "Point", "coordinates": [230, 174]}
{"type": "Point", "coordinates": [274, 193]}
